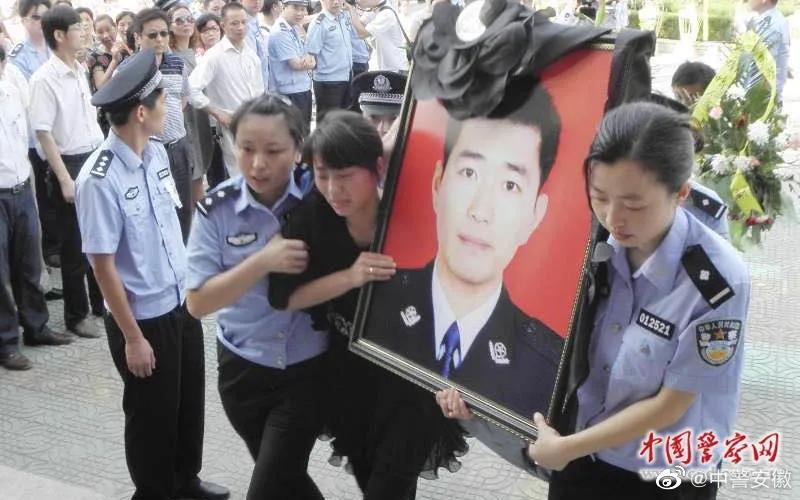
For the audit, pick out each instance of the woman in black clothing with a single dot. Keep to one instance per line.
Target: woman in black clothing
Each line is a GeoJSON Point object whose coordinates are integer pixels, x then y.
{"type": "Point", "coordinates": [390, 430]}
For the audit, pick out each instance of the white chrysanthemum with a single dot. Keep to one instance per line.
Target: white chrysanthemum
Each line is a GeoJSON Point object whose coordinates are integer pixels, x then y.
{"type": "Point", "coordinates": [720, 165]}
{"type": "Point", "coordinates": [782, 140]}
{"type": "Point", "coordinates": [736, 91]}
{"type": "Point", "coordinates": [742, 163]}
{"type": "Point", "coordinates": [758, 132]}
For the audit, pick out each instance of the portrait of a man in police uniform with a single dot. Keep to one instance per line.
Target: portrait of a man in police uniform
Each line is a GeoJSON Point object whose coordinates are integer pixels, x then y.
{"type": "Point", "coordinates": [454, 316]}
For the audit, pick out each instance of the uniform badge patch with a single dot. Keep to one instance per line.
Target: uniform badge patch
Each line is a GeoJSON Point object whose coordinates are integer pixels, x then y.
{"type": "Point", "coordinates": [132, 193]}
{"type": "Point", "coordinates": [241, 239]}
{"type": "Point", "coordinates": [717, 340]}
{"type": "Point", "coordinates": [654, 324]}
{"type": "Point", "coordinates": [410, 316]}
{"type": "Point", "coordinates": [498, 353]}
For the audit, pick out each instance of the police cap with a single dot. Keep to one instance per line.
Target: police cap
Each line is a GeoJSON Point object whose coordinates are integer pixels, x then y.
{"type": "Point", "coordinates": [302, 3]}
{"type": "Point", "coordinates": [379, 92]}
{"type": "Point", "coordinates": [132, 82]}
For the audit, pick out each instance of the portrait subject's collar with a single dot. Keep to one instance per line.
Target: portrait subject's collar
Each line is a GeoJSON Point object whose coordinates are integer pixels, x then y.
{"type": "Point", "coordinates": [469, 326]}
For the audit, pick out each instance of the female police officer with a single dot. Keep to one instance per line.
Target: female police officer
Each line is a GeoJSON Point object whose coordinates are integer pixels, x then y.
{"type": "Point", "coordinates": [665, 352]}
{"type": "Point", "coordinates": [268, 359]}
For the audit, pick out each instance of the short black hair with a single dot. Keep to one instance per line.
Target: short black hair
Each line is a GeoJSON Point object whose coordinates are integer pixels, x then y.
{"type": "Point", "coordinates": [693, 73]}
{"type": "Point", "coordinates": [59, 18]}
{"type": "Point", "coordinates": [122, 15]}
{"type": "Point", "coordinates": [655, 137]}
{"type": "Point", "coordinates": [345, 139]}
{"type": "Point", "coordinates": [268, 5]}
{"type": "Point", "coordinates": [120, 116]}
{"type": "Point", "coordinates": [24, 7]}
{"type": "Point", "coordinates": [526, 102]}
{"type": "Point", "coordinates": [104, 17]}
{"type": "Point", "coordinates": [147, 15]}
{"type": "Point", "coordinates": [85, 10]}
{"type": "Point", "coordinates": [273, 105]}
{"type": "Point", "coordinates": [231, 6]}
{"type": "Point", "coordinates": [204, 19]}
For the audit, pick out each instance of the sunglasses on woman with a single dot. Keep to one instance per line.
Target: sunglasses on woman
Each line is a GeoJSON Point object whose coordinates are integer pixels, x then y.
{"type": "Point", "coordinates": [183, 20]}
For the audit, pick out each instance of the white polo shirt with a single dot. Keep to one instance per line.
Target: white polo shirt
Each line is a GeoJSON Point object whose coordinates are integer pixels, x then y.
{"type": "Point", "coordinates": [61, 104]}
{"type": "Point", "coordinates": [385, 28]}
{"type": "Point", "coordinates": [14, 165]}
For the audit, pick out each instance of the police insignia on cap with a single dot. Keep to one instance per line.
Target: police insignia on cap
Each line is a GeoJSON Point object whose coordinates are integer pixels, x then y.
{"type": "Point", "coordinates": [717, 340]}
{"type": "Point", "coordinates": [381, 84]}
{"type": "Point", "coordinates": [102, 163]}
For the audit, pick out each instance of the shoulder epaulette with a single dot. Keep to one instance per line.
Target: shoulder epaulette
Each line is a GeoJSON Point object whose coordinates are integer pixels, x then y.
{"type": "Point", "coordinates": [707, 204]}
{"type": "Point", "coordinates": [15, 50]}
{"type": "Point", "coordinates": [320, 18]}
{"type": "Point", "coordinates": [706, 277]}
{"type": "Point", "coordinates": [214, 198]}
{"type": "Point", "coordinates": [102, 163]}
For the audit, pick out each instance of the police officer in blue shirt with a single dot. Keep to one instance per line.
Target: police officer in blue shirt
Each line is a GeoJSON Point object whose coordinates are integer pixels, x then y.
{"type": "Point", "coordinates": [329, 41]}
{"type": "Point", "coordinates": [665, 353]}
{"type": "Point", "coordinates": [125, 199]}
{"type": "Point", "coordinates": [269, 360]}
{"type": "Point", "coordinates": [289, 62]}
{"type": "Point", "coordinates": [361, 49]}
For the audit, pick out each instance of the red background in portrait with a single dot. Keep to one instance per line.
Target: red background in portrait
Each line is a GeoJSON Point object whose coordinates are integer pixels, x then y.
{"type": "Point", "coordinates": [542, 279]}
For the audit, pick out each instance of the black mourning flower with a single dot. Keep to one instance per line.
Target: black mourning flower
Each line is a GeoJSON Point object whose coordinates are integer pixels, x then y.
{"type": "Point", "coordinates": [469, 77]}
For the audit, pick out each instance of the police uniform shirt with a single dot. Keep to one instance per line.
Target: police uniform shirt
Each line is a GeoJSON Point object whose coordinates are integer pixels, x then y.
{"type": "Point", "coordinates": [285, 44]}
{"type": "Point", "coordinates": [126, 208]}
{"type": "Point", "coordinates": [678, 322]}
{"type": "Point", "coordinates": [27, 58]}
{"type": "Point", "coordinates": [233, 226]}
{"type": "Point", "coordinates": [14, 165]}
{"type": "Point", "coordinates": [706, 205]}
{"type": "Point", "coordinates": [61, 104]}
{"type": "Point", "coordinates": [359, 45]}
{"type": "Point", "coordinates": [329, 40]}
{"type": "Point", "coordinates": [258, 41]}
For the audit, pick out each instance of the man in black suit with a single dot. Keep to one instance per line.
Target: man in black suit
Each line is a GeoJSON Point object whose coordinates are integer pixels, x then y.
{"type": "Point", "coordinates": [454, 317]}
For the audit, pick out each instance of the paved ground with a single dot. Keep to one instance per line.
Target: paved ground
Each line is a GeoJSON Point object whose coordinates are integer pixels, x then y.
{"type": "Point", "coordinates": [61, 423]}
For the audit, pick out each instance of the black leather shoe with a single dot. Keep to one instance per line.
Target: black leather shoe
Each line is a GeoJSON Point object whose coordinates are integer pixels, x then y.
{"type": "Point", "coordinates": [15, 361]}
{"type": "Point", "coordinates": [54, 294]}
{"type": "Point", "coordinates": [46, 337]}
{"type": "Point", "coordinates": [202, 490]}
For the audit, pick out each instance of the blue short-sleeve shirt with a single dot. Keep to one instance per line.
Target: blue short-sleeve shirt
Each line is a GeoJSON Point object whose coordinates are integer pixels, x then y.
{"type": "Point", "coordinates": [656, 329]}
{"type": "Point", "coordinates": [230, 227]}
{"type": "Point", "coordinates": [285, 44]}
{"type": "Point", "coordinates": [329, 40]}
{"type": "Point", "coordinates": [126, 208]}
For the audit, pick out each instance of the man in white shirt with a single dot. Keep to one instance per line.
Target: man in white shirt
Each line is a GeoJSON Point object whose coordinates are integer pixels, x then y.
{"type": "Point", "coordinates": [66, 125]}
{"type": "Point", "coordinates": [226, 76]}
{"type": "Point", "coordinates": [21, 298]}
{"type": "Point", "coordinates": [382, 23]}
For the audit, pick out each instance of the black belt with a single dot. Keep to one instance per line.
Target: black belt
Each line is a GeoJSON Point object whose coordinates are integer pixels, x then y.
{"type": "Point", "coordinates": [22, 186]}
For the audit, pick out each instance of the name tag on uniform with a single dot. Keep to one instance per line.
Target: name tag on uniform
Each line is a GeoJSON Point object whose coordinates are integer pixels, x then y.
{"type": "Point", "coordinates": [242, 239]}
{"type": "Point", "coordinates": [332, 28]}
{"type": "Point", "coordinates": [654, 324]}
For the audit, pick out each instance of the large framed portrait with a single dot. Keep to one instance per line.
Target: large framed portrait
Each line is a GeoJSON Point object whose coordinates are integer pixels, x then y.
{"type": "Point", "coordinates": [488, 221]}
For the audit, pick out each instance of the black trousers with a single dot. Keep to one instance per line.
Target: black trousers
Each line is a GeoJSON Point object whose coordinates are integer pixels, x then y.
{"type": "Point", "coordinates": [182, 166]}
{"type": "Point", "coordinates": [585, 478]}
{"type": "Point", "coordinates": [359, 68]}
{"type": "Point", "coordinates": [331, 95]}
{"type": "Point", "coordinates": [303, 101]}
{"type": "Point", "coordinates": [217, 172]}
{"type": "Point", "coordinates": [75, 270]}
{"type": "Point", "coordinates": [277, 414]}
{"type": "Point", "coordinates": [21, 296]}
{"type": "Point", "coordinates": [163, 412]}
{"type": "Point", "coordinates": [47, 209]}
